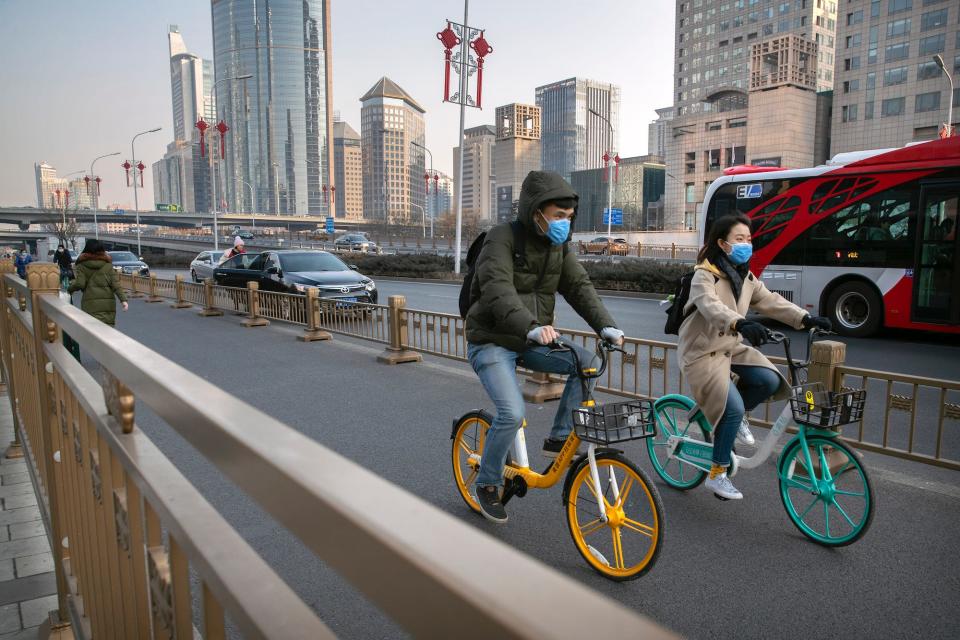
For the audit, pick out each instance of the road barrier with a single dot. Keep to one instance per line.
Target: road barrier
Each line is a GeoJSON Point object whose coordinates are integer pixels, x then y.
{"type": "Point", "coordinates": [920, 416]}
{"type": "Point", "coordinates": [139, 553]}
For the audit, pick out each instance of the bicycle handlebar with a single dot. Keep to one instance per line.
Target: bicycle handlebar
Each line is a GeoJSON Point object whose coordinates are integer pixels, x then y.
{"type": "Point", "coordinates": [778, 337]}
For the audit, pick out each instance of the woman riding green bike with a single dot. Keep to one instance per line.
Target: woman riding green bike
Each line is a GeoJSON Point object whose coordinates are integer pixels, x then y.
{"type": "Point", "coordinates": [711, 345]}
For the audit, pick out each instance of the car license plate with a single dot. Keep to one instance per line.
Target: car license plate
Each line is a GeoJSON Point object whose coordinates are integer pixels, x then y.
{"type": "Point", "coordinates": [345, 302]}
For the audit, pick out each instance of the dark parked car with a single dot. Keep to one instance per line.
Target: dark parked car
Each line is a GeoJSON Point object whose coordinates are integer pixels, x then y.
{"type": "Point", "coordinates": [295, 271]}
{"type": "Point", "coordinates": [355, 242]}
{"type": "Point", "coordinates": [127, 262]}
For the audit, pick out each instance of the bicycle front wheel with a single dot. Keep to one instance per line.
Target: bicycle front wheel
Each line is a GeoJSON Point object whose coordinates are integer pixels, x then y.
{"type": "Point", "coordinates": [469, 435]}
{"type": "Point", "coordinates": [626, 546]}
{"type": "Point", "coordinates": [832, 503]}
{"type": "Point", "coordinates": [673, 420]}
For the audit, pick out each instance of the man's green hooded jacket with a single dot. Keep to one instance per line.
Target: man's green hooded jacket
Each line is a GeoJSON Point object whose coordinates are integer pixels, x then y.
{"type": "Point", "coordinates": [511, 299]}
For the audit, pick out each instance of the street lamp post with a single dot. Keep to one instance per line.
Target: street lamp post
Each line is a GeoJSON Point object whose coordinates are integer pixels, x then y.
{"type": "Point", "coordinates": [213, 180]}
{"type": "Point", "coordinates": [96, 225]}
{"type": "Point", "coordinates": [136, 201]}
{"type": "Point", "coordinates": [249, 186]}
{"type": "Point", "coordinates": [606, 159]}
{"type": "Point", "coordinates": [276, 187]}
{"type": "Point", "coordinates": [939, 60]}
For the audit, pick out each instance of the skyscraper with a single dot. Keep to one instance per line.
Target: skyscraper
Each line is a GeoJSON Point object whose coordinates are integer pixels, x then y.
{"type": "Point", "coordinates": [479, 181]}
{"type": "Point", "coordinates": [47, 184]}
{"type": "Point", "coordinates": [573, 138]}
{"type": "Point", "coordinates": [190, 83]}
{"type": "Point", "coordinates": [281, 119]}
{"type": "Point", "coordinates": [515, 154]}
{"type": "Point", "coordinates": [657, 132]}
{"type": "Point", "coordinates": [348, 171]}
{"type": "Point", "coordinates": [393, 167]}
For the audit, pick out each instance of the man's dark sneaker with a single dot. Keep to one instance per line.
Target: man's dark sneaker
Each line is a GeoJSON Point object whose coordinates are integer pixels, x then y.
{"type": "Point", "coordinates": [553, 446]}
{"type": "Point", "coordinates": [490, 506]}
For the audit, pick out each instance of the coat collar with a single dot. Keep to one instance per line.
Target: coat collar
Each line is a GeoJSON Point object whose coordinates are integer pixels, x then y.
{"type": "Point", "coordinates": [706, 265]}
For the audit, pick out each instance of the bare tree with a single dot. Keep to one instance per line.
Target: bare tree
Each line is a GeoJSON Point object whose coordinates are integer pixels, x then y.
{"type": "Point", "coordinates": [57, 222]}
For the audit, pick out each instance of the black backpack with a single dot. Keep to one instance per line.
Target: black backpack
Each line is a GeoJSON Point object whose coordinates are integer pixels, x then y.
{"type": "Point", "coordinates": [519, 255]}
{"type": "Point", "coordinates": [675, 313]}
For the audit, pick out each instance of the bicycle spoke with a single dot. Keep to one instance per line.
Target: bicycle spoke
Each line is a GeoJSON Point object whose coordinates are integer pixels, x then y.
{"type": "Point", "coordinates": [473, 475]}
{"type": "Point", "coordinates": [617, 548]}
{"type": "Point", "coordinates": [849, 493]}
{"type": "Point", "coordinates": [467, 449]}
{"type": "Point", "coordinates": [826, 516]}
{"type": "Point", "coordinates": [639, 527]}
{"type": "Point", "coordinates": [592, 527]}
{"type": "Point", "coordinates": [796, 484]}
{"type": "Point", "coordinates": [625, 491]}
{"type": "Point", "coordinates": [824, 467]}
{"type": "Point", "coordinates": [843, 469]}
{"type": "Point", "coordinates": [843, 513]}
{"type": "Point", "coordinates": [807, 510]}
{"type": "Point", "coordinates": [588, 482]}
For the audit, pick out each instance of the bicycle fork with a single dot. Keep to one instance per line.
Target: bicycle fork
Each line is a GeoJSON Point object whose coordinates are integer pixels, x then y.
{"type": "Point", "coordinates": [595, 478]}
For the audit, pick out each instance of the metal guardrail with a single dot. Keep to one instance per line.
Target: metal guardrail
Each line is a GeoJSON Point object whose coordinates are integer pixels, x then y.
{"type": "Point", "coordinates": [135, 531]}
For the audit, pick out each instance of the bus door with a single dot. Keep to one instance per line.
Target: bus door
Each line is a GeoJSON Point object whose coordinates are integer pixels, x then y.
{"type": "Point", "coordinates": [936, 280]}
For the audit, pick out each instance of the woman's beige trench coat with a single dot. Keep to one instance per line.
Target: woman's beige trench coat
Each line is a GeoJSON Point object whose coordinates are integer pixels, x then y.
{"type": "Point", "coordinates": [708, 345]}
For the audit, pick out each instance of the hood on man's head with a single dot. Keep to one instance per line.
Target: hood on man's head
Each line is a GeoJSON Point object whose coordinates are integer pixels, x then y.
{"type": "Point", "coordinates": [541, 187]}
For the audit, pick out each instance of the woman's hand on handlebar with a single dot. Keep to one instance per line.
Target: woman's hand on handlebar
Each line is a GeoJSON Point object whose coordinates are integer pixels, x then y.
{"type": "Point", "coordinates": [816, 322]}
{"type": "Point", "coordinates": [544, 335]}
{"type": "Point", "coordinates": [754, 332]}
{"type": "Point", "coordinates": [612, 335]}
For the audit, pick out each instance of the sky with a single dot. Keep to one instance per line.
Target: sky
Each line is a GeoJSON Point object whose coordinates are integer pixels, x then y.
{"type": "Point", "coordinates": [80, 78]}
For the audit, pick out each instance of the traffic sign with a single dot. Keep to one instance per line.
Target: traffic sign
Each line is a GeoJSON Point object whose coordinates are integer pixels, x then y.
{"type": "Point", "coordinates": [330, 224]}
{"type": "Point", "coordinates": [617, 216]}
{"type": "Point", "coordinates": [119, 212]}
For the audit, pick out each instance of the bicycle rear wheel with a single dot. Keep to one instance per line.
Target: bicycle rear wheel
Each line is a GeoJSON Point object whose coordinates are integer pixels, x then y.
{"type": "Point", "coordinates": [673, 420]}
{"type": "Point", "coordinates": [469, 435]}
{"type": "Point", "coordinates": [626, 546]}
{"type": "Point", "coordinates": [832, 503]}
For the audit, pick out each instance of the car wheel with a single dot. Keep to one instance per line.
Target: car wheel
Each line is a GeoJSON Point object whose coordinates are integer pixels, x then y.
{"type": "Point", "coordinates": [855, 309]}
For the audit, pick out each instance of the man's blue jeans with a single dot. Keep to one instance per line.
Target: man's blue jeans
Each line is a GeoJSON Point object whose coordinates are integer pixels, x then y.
{"type": "Point", "coordinates": [496, 367]}
{"type": "Point", "coordinates": [755, 385]}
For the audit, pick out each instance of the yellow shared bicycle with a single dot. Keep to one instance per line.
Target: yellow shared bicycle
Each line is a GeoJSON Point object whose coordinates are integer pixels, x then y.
{"type": "Point", "coordinates": [614, 512]}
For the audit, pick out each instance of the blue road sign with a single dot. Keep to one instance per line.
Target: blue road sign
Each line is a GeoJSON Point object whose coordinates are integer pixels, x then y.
{"type": "Point", "coordinates": [329, 224]}
{"type": "Point", "coordinates": [617, 216]}
{"type": "Point", "coordinates": [119, 212]}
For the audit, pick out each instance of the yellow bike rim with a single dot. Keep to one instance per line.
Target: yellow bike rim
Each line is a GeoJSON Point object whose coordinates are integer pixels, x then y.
{"type": "Point", "coordinates": [468, 440]}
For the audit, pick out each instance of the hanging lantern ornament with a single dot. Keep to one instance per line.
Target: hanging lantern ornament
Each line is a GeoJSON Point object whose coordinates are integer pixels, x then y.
{"type": "Point", "coordinates": [616, 168]}
{"type": "Point", "coordinates": [324, 189]}
{"type": "Point", "coordinates": [66, 198]}
{"type": "Point", "coordinates": [606, 165]}
{"type": "Point", "coordinates": [126, 167]}
{"type": "Point", "coordinates": [483, 49]}
{"type": "Point", "coordinates": [58, 197]}
{"type": "Point", "coordinates": [426, 179]}
{"type": "Point", "coordinates": [141, 167]}
{"type": "Point", "coordinates": [86, 180]}
{"type": "Point", "coordinates": [202, 126]}
{"type": "Point", "coordinates": [97, 180]}
{"type": "Point", "coordinates": [449, 39]}
{"type": "Point", "coordinates": [222, 128]}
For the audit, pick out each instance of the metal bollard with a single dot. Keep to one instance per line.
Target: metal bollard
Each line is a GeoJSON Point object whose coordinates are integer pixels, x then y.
{"type": "Point", "coordinates": [396, 352]}
{"type": "Point", "coordinates": [209, 309]}
{"type": "Point", "coordinates": [253, 303]}
{"type": "Point", "coordinates": [181, 303]}
{"type": "Point", "coordinates": [313, 331]}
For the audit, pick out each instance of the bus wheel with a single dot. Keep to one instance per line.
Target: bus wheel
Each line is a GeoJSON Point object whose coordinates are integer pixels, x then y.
{"type": "Point", "coordinates": [855, 309]}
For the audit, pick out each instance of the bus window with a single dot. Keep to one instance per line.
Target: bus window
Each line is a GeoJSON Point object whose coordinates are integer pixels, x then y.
{"type": "Point", "coordinates": [935, 276]}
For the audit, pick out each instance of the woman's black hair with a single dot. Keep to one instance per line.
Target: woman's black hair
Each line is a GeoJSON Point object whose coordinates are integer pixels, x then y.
{"type": "Point", "coordinates": [718, 231]}
{"type": "Point", "coordinates": [93, 246]}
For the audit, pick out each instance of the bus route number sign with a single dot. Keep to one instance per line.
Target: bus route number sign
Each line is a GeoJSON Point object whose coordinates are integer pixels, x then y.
{"type": "Point", "coordinates": [746, 191]}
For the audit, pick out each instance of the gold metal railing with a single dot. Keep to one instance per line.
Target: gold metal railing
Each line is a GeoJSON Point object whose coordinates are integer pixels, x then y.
{"type": "Point", "coordinates": [145, 556]}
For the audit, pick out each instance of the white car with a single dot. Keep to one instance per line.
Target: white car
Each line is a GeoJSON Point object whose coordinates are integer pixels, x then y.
{"type": "Point", "coordinates": [203, 265]}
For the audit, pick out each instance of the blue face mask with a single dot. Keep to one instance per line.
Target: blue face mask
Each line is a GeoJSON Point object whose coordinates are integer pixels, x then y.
{"type": "Point", "coordinates": [558, 231]}
{"type": "Point", "coordinates": [741, 252]}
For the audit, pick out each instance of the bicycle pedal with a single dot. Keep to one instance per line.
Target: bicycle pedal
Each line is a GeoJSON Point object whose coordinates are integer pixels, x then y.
{"type": "Point", "coordinates": [721, 498]}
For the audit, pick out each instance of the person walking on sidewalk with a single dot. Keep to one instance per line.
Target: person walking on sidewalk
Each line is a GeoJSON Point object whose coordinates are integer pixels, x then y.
{"type": "Point", "coordinates": [98, 282]}
{"type": "Point", "coordinates": [23, 259]}
{"type": "Point", "coordinates": [510, 321]}
{"type": "Point", "coordinates": [63, 260]}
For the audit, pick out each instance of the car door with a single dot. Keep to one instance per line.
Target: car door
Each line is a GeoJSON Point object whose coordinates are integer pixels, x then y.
{"type": "Point", "coordinates": [270, 275]}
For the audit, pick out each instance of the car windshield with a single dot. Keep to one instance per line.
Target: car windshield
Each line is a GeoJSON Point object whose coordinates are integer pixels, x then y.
{"type": "Point", "coordinates": [241, 261]}
{"type": "Point", "coordinates": [352, 239]}
{"type": "Point", "coordinates": [123, 256]}
{"type": "Point", "coordinates": [294, 262]}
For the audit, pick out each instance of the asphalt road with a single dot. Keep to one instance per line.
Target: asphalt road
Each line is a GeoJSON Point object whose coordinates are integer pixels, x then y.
{"type": "Point", "coordinates": [736, 569]}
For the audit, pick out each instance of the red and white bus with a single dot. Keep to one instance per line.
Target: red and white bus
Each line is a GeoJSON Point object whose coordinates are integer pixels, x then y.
{"type": "Point", "coordinates": [869, 239]}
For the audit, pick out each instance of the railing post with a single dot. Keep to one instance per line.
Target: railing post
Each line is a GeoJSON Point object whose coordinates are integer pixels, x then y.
{"type": "Point", "coordinates": [15, 450]}
{"type": "Point", "coordinates": [135, 292]}
{"type": "Point", "coordinates": [43, 279]}
{"type": "Point", "coordinates": [639, 249]}
{"type": "Point", "coordinates": [673, 250]}
{"type": "Point", "coordinates": [396, 352]}
{"type": "Point", "coordinates": [313, 330]}
{"type": "Point", "coordinates": [825, 357]}
{"type": "Point", "coordinates": [153, 290]}
{"type": "Point", "coordinates": [208, 308]}
{"type": "Point", "coordinates": [253, 304]}
{"type": "Point", "coordinates": [181, 303]}
{"type": "Point", "coordinates": [540, 388]}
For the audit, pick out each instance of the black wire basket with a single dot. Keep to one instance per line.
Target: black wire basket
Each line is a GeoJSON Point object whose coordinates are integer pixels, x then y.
{"type": "Point", "coordinates": [815, 406]}
{"type": "Point", "coordinates": [614, 422]}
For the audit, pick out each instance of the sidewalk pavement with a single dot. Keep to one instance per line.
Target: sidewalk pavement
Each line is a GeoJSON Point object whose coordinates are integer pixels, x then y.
{"type": "Point", "coordinates": [28, 586]}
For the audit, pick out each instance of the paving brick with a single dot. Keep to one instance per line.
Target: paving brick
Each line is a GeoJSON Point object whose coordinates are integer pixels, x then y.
{"type": "Point", "coordinates": [32, 565]}
{"type": "Point", "coordinates": [21, 489]}
{"type": "Point", "coordinates": [15, 477]}
{"type": "Point", "coordinates": [27, 530]}
{"type": "Point", "coordinates": [34, 612]}
{"type": "Point", "coordinates": [8, 465]}
{"type": "Point", "coordinates": [24, 547]}
{"type": "Point", "coordinates": [13, 516]}
{"type": "Point", "coordinates": [5, 534]}
{"type": "Point", "coordinates": [17, 502]}
{"type": "Point", "coordinates": [10, 618]}
{"type": "Point", "coordinates": [21, 589]}
{"type": "Point", "coordinates": [6, 569]}
{"type": "Point", "coordinates": [25, 634]}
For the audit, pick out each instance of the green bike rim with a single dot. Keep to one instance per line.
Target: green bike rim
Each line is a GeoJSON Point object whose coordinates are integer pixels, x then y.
{"type": "Point", "coordinates": [673, 420]}
{"type": "Point", "coordinates": [832, 503]}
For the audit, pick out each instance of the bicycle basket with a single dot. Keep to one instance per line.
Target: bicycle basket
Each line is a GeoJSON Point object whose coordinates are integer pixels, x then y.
{"type": "Point", "coordinates": [815, 406]}
{"type": "Point", "coordinates": [614, 422]}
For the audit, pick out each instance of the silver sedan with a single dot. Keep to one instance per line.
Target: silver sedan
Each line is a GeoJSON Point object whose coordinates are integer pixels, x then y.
{"type": "Point", "coordinates": [203, 265]}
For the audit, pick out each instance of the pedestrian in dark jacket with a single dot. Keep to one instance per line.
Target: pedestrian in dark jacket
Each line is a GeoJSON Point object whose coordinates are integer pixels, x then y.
{"type": "Point", "coordinates": [97, 280]}
{"type": "Point", "coordinates": [63, 260]}
{"type": "Point", "coordinates": [23, 259]}
{"type": "Point", "coordinates": [510, 322]}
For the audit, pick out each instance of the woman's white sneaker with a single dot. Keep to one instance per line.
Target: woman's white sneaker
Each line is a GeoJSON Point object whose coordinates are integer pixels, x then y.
{"type": "Point", "coordinates": [722, 486]}
{"type": "Point", "coordinates": [744, 435]}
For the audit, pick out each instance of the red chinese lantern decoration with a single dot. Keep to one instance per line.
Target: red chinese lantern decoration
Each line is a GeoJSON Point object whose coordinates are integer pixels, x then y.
{"type": "Point", "coordinates": [616, 168]}
{"type": "Point", "coordinates": [449, 39]}
{"type": "Point", "coordinates": [126, 167]}
{"type": "Point", "coordinates": [141, 167]}
{"type": "Point", "coordinates": [86, 180]}
{"type": "Point", "coordinates": [426, 179]}
{"type": "Point", "coordinates": [436, 183]}
{"type": "Point", "coordinates": [222, 128]}
{"type": "Point", "coordinates": [58, 197]}
{"type": "Point", "coordinates": [66, 198]}
{"type": "Point", "coordinates": [97, 180]}
{"type": "Point", "coordinates": [483, 49]}
{"type": "Point", "coordinates": [324, 189]}
{"type": "Point", "coordinates": [202, 126]}
{"type": "Point", "coordinates": [606, 165]}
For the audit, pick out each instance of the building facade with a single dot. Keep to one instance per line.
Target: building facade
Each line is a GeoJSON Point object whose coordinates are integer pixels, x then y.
{"type": "Point", "coordinates": [393, 133]}
{"type": "Point", "coordinates": [479, 180]}
{"type": "Point", "coordinates": [712, 79]}
{"type": "Point", "coordinates": [515, 154]}
{"type": "Point", "coordinates": [636, 191]}
{"type": "Point", "coordinates": [889, 89]}
{"type": "Point", "coordinates": [440, 198]}
{"type": "Point", "coordinates": [348, 171]}
{"type": "Point", "coordinates": [657, 132]}
{"type": "Point", "coordinates": [47, 183]}
{"type": "Point", "coordinates": [281, 119]}
{"type": "Point", "coordinates": [575, 132]}
{"type": "Point", "coordinates": [182, 177]}
{"type": "Point", "coordinates": [191, 79]}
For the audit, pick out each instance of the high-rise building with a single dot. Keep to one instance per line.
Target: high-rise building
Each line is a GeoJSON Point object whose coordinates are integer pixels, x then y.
{"type": "Point", "coordinates": [657, 132]}
{"type": "Point", "coordinates": [889, 90]}
{"type": "Point", "coordinates": [515, 154]}
{"type": "Point", "coordinates": [479, 181]}
{"type": "Point", "coordinates": [635, 189]}
{"type": "Point", "coordinates": [281, 119]}
{"type": "Point", "coordinates": [393, 133]}
{"type": "Point", "coordinates": [182, 178]}
{"type": "Point", "coordinates": [348, 171]}
{"type": "Point", "coordinates": [82, 194]}
{"type": "Point", "coordinates": [580, 122]}
{"type": "Point", "coordinates": [47, 184]}
{"type": "Point", "coordinates": [440, 198]}
{"type": "Point", "coordinates": [190, 84]}
{"type": "Point", "coordinates": [712, 80]}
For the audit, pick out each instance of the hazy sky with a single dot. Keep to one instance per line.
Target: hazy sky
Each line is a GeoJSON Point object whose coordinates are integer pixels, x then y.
{"type": "Point", "coordinates": [80, 78]}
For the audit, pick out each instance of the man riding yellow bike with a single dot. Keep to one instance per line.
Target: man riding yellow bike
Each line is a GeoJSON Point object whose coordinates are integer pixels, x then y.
{"type": "Point", "coordinates": [510, 321]}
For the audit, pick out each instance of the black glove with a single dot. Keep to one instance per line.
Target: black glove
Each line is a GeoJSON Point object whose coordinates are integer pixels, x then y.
{"type": "Point", "coordinates": [754, 332]}
{"type": "Point", "coordinates": [819, 322]}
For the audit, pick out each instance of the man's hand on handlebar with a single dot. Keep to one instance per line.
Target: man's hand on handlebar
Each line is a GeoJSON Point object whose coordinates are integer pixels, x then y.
{"type": "Point", "coordinates": [612, 335]}
{"type": "Point", "coordinates": [544, 335]}
{"type": "Point", "coordinates": [818, 322]}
